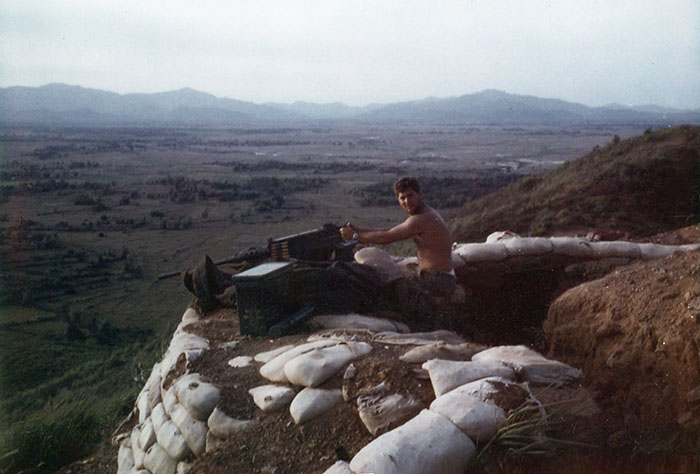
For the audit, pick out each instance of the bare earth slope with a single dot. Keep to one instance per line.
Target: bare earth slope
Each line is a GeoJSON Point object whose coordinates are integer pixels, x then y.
{"type": "Point", "coordinates": [638, 187]}
{"type": "Point", "coordinates": [635, 335]}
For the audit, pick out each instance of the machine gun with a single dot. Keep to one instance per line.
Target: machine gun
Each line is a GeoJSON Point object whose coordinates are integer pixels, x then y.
{"type": "Point", "coordinates": [264, 297]}
{"type": "Point", "coordinates": [316, 245]}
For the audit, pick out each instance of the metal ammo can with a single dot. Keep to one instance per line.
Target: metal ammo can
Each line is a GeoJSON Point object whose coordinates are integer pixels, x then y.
{"type": "Point", "coordinates": [262, 297]}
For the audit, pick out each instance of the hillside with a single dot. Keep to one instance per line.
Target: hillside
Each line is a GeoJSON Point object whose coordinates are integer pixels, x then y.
{"type": "Point", "coordinates": [636, 188]}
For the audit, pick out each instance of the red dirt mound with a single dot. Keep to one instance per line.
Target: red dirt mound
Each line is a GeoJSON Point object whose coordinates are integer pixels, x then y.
{"type": "Point", "coordinates": [635, 334]}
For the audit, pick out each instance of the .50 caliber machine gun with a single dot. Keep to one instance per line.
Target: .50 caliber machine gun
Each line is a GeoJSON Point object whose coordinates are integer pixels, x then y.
{"type": "Point", "coordinates": [317, 245]}
{"type": "Point", "coordinates": [263, 293]}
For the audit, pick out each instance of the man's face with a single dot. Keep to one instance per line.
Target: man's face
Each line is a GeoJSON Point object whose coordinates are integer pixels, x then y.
{"type": "Point", "coordinates": [411, 201]}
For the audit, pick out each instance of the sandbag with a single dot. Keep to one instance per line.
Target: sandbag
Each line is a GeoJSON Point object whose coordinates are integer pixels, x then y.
{"type": "Point", "coordinates": [572, 246]}
{"type": "Point", "coordinates": [314, 367]}
{"type": "Point", "coordinates": [197, 396]}
{"type": "Point", "coordinates": [158, 416]}
{"type": "Point", "coordinates": [138, 451]}
{"type": "Point", "coordinates": [409, 266]}
{"type": "Point", "coordinates": [605, 249]}
{"type": "Point", "coordinates": [147, 436]}
{"type": "Point", "coordinates": [157, 461]}
{"type": "Point", "coordinates": [222, 426]}
{"type": "Point", "coordinates": [380, 412]}
{"type": "Point", "coordinates": [354, 321]}
{"type": "Point", "coordinates": [171, 440]}
{"type": "Point", "coordinates": [471, 410]}
{"type": "Point", "coordinates": [530, 364]}
{"type": "Point", "coordinates": [240, 362]}
{"type": "Point", "coordinates": [446, 375]}
{"type": "Point", "coordinates": [274, 369]}
{"type": "Point", "coordinates": [527, 246]}
{"type": "Point", "coordinates": [463, 351]}
{"type": "Point", "coordinates": [501, 235]}
{"type": "Point", "coordinates": [125, 459]}
{"type": "Point", "coordinates": [194, 431]}
{"type": "Point", "coordinates": [271, 397]}
{"type": "Point", "coordinates": [441, 336]}
{"type": "Point", "coordinates": [267, 356]}
{"type": "Point", "coordinates": [427, 444]}
{"type": "Point", "coordinates": [312, 402]}
{"type": "Point", "coordinates": [653, 251]}
{"type": "Point", "coordinates": [381, 261]}
{"type": "Point", "coordinates": [481, 252]}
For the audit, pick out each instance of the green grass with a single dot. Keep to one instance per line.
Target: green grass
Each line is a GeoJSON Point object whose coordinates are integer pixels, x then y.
{"type": "Point", "coordinates": [640, 186]}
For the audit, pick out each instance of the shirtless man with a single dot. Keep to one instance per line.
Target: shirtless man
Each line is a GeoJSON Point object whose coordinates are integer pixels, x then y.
{"type": "Point", "coordinates": [427, 229]}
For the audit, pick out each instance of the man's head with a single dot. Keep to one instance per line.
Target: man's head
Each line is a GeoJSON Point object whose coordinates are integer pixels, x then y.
{"type": "Point", "coordinates": [408, 193]}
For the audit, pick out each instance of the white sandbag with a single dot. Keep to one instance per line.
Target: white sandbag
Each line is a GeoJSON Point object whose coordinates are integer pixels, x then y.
{"type": "Point", "coordinates": [125, 459]}
{"type": "Point", "coordinates": [528, 246]}
{"type": "Point", "coordinates": [409, 266]}
{"type": "Point", "coordinates": [420, 354]}
{"type": "Point", "coordinates": [471, 410]}
{"type": "Point", "coordinates": [137, 450]}
{"type": "Point", "coordinates": [314, 367]}
{"type": "Point", "coordinates": [197, 396]}
{"type": "Point", "coordinates": [143, 406]}
{"type": "Point", "coordinates": [240, 362]}
{"type": "Point", "coordinates": [572, 246]}
{"type": "Point", "coordinates": [312, 402]}
{"type": "Point", "coordinates": [380, 412]}
{"type": "Point", "coordinates": [481, 252]}
{"type": "Point", "coordinates": [157, 461]}
{"type": "Point", "coordinates": [222, 426]}
{"type": "Point", "coordinates": [147, 436]}
{"type": "Point", "coordinates": [191, 315]}
{"type": "Point", "coordinates": [171, 440]}
{"type": "Point", "coordinates": [181, 342]}
{"type": "Point", "coordinates": [271, 397]}
{"type": "Point", "coordinates": [530, 364]}
{"type": "Point", "coordinates": [446, 375]}
{"type": "Point", "coordinates": [183, 467]}
{"type": "Point", "coordinates": [380, 261]}
{"type": "Point", "coordinates": [689, 247]}
{"type": "Point", "coordinates": [653, 251]}
{"type": "Point", "coordinates": [194, 431]}
{"type": "Point", "coordinates": [501, 235]}
{"type": "Point", "coordinates": [267, 356]}
{"type": "Point", "coordinates": [158, 416]}
{"type": "Point", "coordinates": [605, 249]}
{"type": "Point", "coordinates": [427, 444]}
{"type": "Point", "coordinates": [169, 400]}
{"type": "Point", "coordinates": [441, 336]}
{"type": "Point", "coordinates": [153, 386]}
{"type": "Point", "coordinates": [352, 321]}
{"type": "Point", "coordinates": [274, 369]}
{"type": "Point", "coordinates": [457, 261]}
{"type": "Point", "coordinates": [340, 467]}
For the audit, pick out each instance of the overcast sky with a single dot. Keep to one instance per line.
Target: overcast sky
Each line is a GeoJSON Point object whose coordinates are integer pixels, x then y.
{"type": "Point", "coordinates": [358, 52]}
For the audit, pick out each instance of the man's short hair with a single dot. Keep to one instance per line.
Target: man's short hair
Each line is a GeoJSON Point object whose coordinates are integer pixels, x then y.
{"type": "Point", "coordinates": [406, 183]}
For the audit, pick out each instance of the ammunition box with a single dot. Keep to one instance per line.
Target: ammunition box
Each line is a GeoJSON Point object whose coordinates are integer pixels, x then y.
{"type": "Point", "coordinates": [262, 295]}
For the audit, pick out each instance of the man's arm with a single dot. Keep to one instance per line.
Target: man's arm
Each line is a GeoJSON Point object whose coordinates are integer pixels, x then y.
{"type": "Point", "coordinates": [403, 231]}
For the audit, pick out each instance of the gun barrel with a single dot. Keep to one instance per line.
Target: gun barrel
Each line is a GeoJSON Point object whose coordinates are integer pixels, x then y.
{"type": "Point", "coordinates": [253, 253]}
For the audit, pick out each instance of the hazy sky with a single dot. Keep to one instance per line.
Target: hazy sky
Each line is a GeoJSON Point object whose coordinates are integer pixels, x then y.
{"type": "Point", "coordinates": [357, 52]}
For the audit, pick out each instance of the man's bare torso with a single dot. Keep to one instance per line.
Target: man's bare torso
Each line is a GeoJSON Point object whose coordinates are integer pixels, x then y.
{"type": "Point", "coordinates": [433, 241]}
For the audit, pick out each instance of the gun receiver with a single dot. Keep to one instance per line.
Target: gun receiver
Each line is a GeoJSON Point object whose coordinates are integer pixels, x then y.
{"type": "Point", "coordinates": [323, 244]}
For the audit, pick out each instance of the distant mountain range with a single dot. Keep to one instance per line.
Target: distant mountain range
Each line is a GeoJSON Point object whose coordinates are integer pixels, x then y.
{"type": "Point", "coordinates": [75, 105]}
